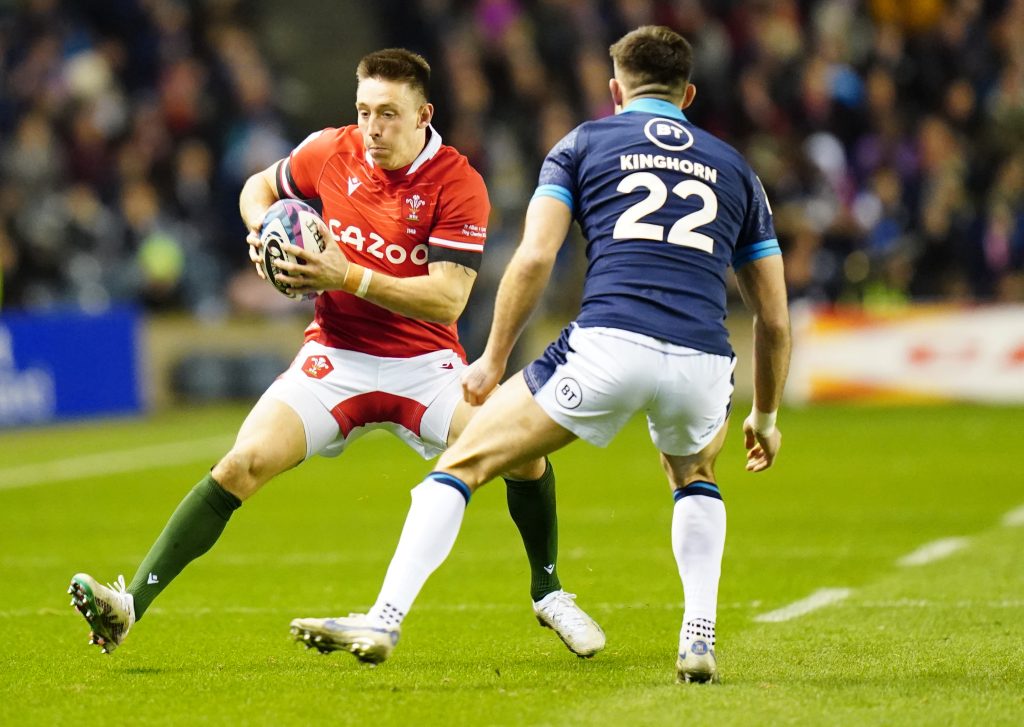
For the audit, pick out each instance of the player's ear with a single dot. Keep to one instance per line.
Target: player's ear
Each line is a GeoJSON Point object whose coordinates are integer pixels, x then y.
{"type": "Point", "coordinates": [426, 113]}
{"type": "Point", "coordinates": [616, 88]}
{"type": "Point", "coordinates": [688, 95]}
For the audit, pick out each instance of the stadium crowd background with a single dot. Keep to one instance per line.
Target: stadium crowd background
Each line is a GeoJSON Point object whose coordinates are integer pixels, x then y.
{"type": "Point", "coordinates": [889, 135]}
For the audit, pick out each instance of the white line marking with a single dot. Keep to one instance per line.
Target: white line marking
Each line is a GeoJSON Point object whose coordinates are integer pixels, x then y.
{"type": "Point", "coordinates": [1014, 518]}
{"type": "Point", "coordinates": [819, 599]}
{"type": "Point", "coordinates": [931, 552]}
{"type": "Point", "coordinates": [108, 463]}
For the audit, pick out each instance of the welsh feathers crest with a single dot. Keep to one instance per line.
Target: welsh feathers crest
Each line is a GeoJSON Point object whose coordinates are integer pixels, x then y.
{"type": "Point", "coordinates": [413, 205]}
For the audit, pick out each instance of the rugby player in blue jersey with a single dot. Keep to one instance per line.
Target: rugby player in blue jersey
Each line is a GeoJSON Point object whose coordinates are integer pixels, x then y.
{"type": "Point", "coordinates": [666, 209]}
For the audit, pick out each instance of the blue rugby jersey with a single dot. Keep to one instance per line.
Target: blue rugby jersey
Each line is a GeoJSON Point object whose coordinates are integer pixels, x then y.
{"type": "Point", "coordinates": [666, 207]}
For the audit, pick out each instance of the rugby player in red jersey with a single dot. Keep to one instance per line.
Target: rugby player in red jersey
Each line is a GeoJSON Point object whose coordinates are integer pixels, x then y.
{"type": "Point", "coordinates": [409, 216]}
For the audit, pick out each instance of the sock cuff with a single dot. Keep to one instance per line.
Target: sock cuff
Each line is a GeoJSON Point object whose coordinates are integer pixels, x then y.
{"type": "Point", "coordinates": [700, 628]}
{"type": "Point", "coordinates": [542, 480]}
{"type": "Point", "coordinates": [223, 502]}
{"type": "Point", "coordinates": [443, 478]}
{"type": "Point", "coordinates": [707, 489]}
{"type": "Point", "coordinates": [387, 613]}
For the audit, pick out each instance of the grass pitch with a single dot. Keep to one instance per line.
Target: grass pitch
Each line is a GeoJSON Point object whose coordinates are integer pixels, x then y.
{"type": "Point", "coordinates": [854, 492]}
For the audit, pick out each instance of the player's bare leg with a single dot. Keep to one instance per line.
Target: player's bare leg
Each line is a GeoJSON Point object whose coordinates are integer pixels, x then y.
{"type": "Point", "coordinates": [530, 493]}
{"type": "Point", "coordinates": [271, 440]}
{"type": "Point", "coordinates": [698, 540]}
{"type": "Point", "coordinates": [509, 430]}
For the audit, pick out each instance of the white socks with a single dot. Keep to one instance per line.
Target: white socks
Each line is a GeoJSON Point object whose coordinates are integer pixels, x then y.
{"type": "Point", "coordinates": [698, 540]}
{"type": "Point", "coordinates": [431, 527]}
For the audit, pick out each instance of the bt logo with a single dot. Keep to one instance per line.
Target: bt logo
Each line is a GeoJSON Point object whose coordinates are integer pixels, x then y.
{"type": "Point", "coordinates": [668, 134]}
{"type": "Point", "coordinates": [568, 393]}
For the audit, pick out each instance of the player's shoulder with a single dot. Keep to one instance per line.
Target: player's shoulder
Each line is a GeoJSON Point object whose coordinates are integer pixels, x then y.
{"type": "Point", "coordinates": [570, 143]}
{"type": "Point", "coordinates": [715, 143]}
{"type": "Point", "coordinates": [450, 166]}
{"type": "Point", "coordinates": [333, 139]}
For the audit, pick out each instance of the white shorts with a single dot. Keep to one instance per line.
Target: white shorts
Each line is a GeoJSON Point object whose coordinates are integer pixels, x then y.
{"type": "Point", "coordinates": [340, 395]}
{"type": "Point", "coordinates": [592, 380]}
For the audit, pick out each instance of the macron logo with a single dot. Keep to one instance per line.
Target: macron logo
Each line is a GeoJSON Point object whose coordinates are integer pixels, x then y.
{"type": "Point", "coordinates": [447, 365]}
{"type": "Point", "coordinates": [549, 569]}
{"type": "Point", "coordinates": [152, 579]}
{"type": "Point", "coordinates": [353, 185]}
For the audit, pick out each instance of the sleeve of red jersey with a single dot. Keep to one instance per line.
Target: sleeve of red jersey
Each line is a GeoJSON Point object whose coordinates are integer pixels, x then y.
{"type": "Point", "coordinates": [298, 175]}
{"type": "Point", "coordinates": [460, 229]}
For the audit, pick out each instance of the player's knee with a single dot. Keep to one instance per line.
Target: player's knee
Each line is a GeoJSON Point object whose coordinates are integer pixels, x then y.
{"type": "Point", "coordinates": [681, 475]}
{"type": "Point", "coordinates": [695, 474]}
{"type": "Point", "coordinates": [241, 472]}
{"type": "Point", "coordinates": [532, 470]}
{"type": "Point", "coordinates": [469, 468]}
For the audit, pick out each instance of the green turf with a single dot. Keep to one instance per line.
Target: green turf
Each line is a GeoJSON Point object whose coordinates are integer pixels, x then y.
{"type": "Point", "coordinates": [855, 489]}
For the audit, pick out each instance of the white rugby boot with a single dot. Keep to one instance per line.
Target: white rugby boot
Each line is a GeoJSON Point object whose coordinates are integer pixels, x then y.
{"type": "Point", "coordinates": [110, 609]}
{"type": "Point", "coordinates": [558, 611]}
{"type": "Point", "coordinates": [370, 641]}
{"type": "Point", "coordinates": [696, 661]}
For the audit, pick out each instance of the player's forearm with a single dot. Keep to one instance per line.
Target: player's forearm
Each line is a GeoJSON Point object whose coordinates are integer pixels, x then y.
{"type": "Point", "coordinates": [420, 297]}
{"type": "Point", "coordinates": [256, 196]}
{"type": "Point", "coordinates": [772, 346]}
{"type": "Point", "coordinates": [762, 284]}
{"type": "Point", "coordinates": [519, 293]}
{"type": "Point", "coordinates": [547, 223]}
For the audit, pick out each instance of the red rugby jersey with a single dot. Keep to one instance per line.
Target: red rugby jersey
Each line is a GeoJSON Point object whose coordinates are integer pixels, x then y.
{"type": "Point", "coordinates": [395, 222]}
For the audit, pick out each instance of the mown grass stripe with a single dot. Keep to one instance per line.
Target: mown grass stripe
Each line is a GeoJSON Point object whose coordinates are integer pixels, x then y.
{"type": "Point", "coordinates": [102, 464]}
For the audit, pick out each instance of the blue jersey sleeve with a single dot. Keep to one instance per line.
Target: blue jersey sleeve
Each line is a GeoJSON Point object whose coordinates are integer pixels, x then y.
{"type": "Point", "coordinates": [757, 239]}
{"type": "Point", "coordinates": [558, 173]}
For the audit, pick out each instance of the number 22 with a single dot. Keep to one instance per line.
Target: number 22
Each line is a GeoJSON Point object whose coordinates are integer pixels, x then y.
{"type": "Point", "coordinates": [683, 231]}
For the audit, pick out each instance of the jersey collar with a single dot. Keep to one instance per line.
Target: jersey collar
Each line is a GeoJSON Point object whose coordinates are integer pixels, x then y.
{"type": "Point", "coordinates": [431, 148]}
{"type": "Point", "coordinates": [655, 106]}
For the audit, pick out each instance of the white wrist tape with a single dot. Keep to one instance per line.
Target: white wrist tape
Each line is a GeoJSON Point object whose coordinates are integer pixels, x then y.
{"type": "Point", "coordinates": [764, 422]}
{"type": "Point", "coordinates": [364, 284]}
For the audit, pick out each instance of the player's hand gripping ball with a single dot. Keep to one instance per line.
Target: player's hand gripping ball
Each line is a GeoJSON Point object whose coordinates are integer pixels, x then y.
{"type": "Point", "coordinates": [289, 220]}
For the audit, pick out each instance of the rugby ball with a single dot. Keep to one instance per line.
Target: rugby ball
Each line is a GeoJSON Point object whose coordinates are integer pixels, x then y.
{"type": "Point", "coordinates": [289, 220]}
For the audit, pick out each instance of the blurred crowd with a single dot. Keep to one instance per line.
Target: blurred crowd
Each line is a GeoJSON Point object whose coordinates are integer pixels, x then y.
{"type": "Point", "coordinates": [127, 128]}
{"type": "Point", "coordinates": [889, 134]}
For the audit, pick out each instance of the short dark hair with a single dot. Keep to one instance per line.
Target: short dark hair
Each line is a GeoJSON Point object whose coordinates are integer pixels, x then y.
{"type": "Point", "coordinates": [654, 59]}
{"type": "Point", "coordinates": [397, 64]}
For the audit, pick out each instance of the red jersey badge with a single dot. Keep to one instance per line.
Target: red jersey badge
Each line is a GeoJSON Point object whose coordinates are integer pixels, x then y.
{"type": "Point", "coordinates": [317, 367]}
{"type": "Point", "coordinates": [413, 205]}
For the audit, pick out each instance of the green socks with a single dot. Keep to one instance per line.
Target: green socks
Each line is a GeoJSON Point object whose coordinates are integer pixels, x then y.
{"type": "Point", "coordinates": [200, 519]}
{"type": "Point", "coordinates": [532, 506]}
{"type": "Point", "coordinates": [192, 530]}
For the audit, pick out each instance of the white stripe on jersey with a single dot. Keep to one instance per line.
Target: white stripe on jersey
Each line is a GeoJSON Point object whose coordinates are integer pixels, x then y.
{"type": "Point", "coordinates": [282, 178]}
{"type": "Point", "coordinates": [471, 246]}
